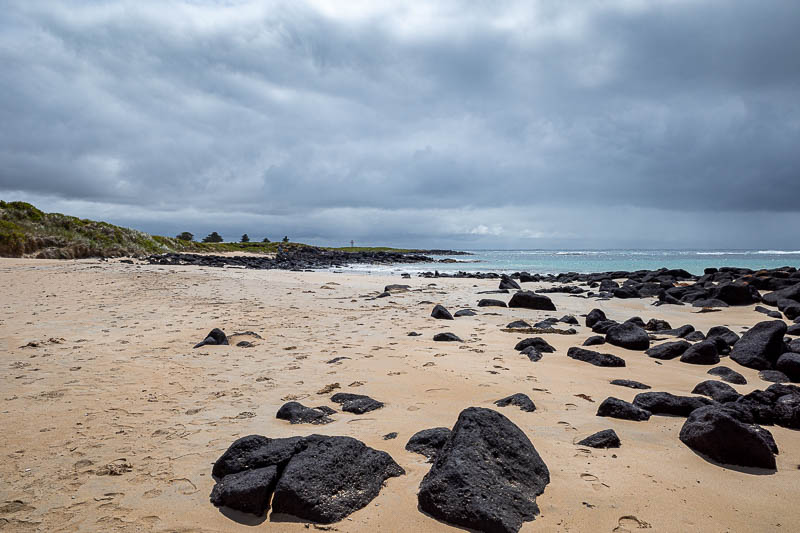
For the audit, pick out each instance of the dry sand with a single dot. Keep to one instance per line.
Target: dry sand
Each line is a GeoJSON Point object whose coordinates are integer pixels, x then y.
{"type": "Point", "coordinates": [120, 385]}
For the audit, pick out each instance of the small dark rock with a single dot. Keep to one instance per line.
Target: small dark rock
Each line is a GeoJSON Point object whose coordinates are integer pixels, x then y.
{"type": "Point", "coordinates": [594, 340]}
{"type": "Point", "coordinates": [488, 302]}
{"type": "Point", "coordinates": [664, 403]}
{"type": "Point", "coordinates": [774, 376]}
{"type": "Point", "coordinates": [428, 442]}
{"type": "Point", "coordinates": [441, 313]}
{"type": "Point", "coordinates": [297, 413]}
{"type": "Point", "coordinates": [702, 353]}
{"type": "Point", "coordinates": [531, 300]}
{"type": "Point", "coordinates": [717, 391]}
{"type": "Point", "coordinates": [595, 358]}
{"type": "Point", "coordinates": [602, 439]}
{"type": "Point", "coordinates": [628, 335]}
{"type": "Point", "coordinates": [629, 383]}
{"type": "Point", "coordinates": [668, 350]}
{"type": "Point", "coordinates": [216, 337]}
{"type": "Point", "coordinates": [520, 400]}
{"type": "Point", "coordinates": [616, 408]}
{"type": "Point", "coordinates": [728, 374]}
{"type": "Point", "coordinates": [446, 337]}
{"type": "Point", "coordinates": [537, 342]}
{"type": "Point", "coordinates": [356, 403]}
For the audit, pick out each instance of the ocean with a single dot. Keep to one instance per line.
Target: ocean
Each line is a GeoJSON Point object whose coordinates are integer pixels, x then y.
{"type": "Point", "coordinates": [557, 261]}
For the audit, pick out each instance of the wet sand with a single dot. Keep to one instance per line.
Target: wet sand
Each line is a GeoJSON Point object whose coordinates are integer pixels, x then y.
{"type": "Point", "coordinates": [112, 421]}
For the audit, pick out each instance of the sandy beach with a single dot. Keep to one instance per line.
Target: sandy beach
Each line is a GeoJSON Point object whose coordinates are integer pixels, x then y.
{"type": "Point", "coordinates": [111, 421]}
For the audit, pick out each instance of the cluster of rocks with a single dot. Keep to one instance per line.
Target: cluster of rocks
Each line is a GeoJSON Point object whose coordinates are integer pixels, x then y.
{"type": "Point", "coordinates": [291, 258]}
{"type": "Point", "coordinates": [485, 474]}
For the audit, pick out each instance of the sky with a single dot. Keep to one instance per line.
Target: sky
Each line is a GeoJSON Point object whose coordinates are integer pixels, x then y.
{"type": "Point", "coordinates": [471, 124]}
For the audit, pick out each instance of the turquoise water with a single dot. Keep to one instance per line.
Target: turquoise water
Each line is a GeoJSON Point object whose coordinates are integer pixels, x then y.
{"type": "Point", "coordinates": [556, 261]}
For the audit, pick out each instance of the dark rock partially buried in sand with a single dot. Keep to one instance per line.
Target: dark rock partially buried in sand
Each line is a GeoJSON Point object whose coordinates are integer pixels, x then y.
{"type": "Point", "coordinates": [486, 477]}
{"type": "Point", "coordinates": [629, 383]}
{"type": "Point", "coordinates": [441, 313]}
{"type": "Point", "coordinates": [702, 353]}
{"type": "Point", "coordinates": [215, 337]}
{"type": "Point", "coordinates": [774, 376]}
{"type": "Point", "coordinates": [532, 353]}
{"type": "Point", "coordinates": [595, 358]}
{"type": "Point", "coordinates": [446, 337]}
{"type": "Point", "coordinates": [716, 433]}
{"type": "Point", "coordinates": [616, 408]}
{"type": "Point", "coordinates": [717, 391]}
{"type": "Point", "coordinates": [520, 400]}
{"type": "Point", "coordinates": [594, 316]}
{"type": "Point", "coordinates": [594, 340]}
{"type": "Point", "coordinates": [537, 342]}
{"type": "Point", "coordinates": [356, 403]}
{"type": "Point", "coordinates": [602, 439]}
{"type": "Point", "coordinates": [761, 345]}
{"type": "Point", "coordinates": [531, 300]}
{"type": "Point", "coordinates": [726, 334]}
{"type": "Point", "coordinates": [488, 302]}
{"type": "Point", "coordinates": [789, 364]}
{"type": "Point", "coordinates": [668, 350]}
{"type": "Point", "coordinates": [664, 403]}
{"type": "Point", "coordinates": [309, 477]}
{"type": "Point", "coordinates": [297, 413]}
{"type": "Point", "coordinates": [465, 312]}
{"type": "Point", "coordinates": [428, 442]}
{"type": "Point", "coordinates": [728, 374]}
{"type": "Point", "coordinates": [628, 335]}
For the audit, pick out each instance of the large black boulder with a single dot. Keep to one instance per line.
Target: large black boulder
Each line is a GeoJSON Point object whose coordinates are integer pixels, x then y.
{"type": "Point", "coordinates": [723, 333]}
{"type": "Point", "coordinates": [761, 345]}
{"type": "Point", "coordinates": [508, 283]}
{"type": "Point", "coordinates": [728, 374]}
{"type": "Point", "coordinates": [487, 475]}
{"type": "Point", "coordinates": [331, 478]}
{"type": "Point", "coordinates": [717, 433]}
{"type": "Point", "coordinates": [317, 478]}
{"type": "Point", "coordinates": [594, 316]}
{"type": "Point", "coordinates": [628, 335]}
{"type": "Point", "coordinates": [702, 353]}
{"type": "Point", "coordinates": [537, 342]}
{"type": "Point", "coordinates": [603, 326]}
{"type": "Point", "coordinates": [616, 408]}
{"type": "Point", "coordinates": [792, 293]}
{"type": "Point", "coordinates": [595, 358]}
{"type": "Point", "coordinates": [428, 442]}
{"type": "Point", "coordinates": [297, 413]}
{"type": "Point", "coordinates": [717, 391]}
{"type": "Point", "coordinates": [519, 399]}
{"type": "Point", "coordinates": [440, 312]}
{"type": "Point", "coordinates": [789, 364]}
{"type": "Point", "coordinates": [668, 350]}
{"type": "Point", "coordinates": [664, 403]}
{"type": "Point", "coordinates": [736, 294]}
{"type": "Point", "coordinates": [531, 300]}
{"type": "Point", "coordinates": [356, 403]}
{"type": "Point", "coordinates": [602, 439]}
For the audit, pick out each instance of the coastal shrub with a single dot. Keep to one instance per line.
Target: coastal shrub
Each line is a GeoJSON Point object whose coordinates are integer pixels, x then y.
{"type": "Point", "coordinates": [12, 239]}
{"type": "Point", "coordinates": [213, 237]}
{"type": "Point", "coordinates": [245, 238]}
{"type": "Point", "coordinates": [185, 236]}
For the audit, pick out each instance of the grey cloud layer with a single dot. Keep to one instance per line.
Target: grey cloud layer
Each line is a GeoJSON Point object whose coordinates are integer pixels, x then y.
{"type": "Point", "coordinates": [276, 108]}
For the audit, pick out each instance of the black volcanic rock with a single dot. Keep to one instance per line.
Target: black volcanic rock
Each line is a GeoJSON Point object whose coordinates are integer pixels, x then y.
{"type": "Point", "coordinates": [508, 283]}
{"type": "Point", "coordinates": [629, 383]}
{"type": "Point", "coordinates": [603, 326]}
{"type": "Point", "coordinates": [668, 350]}
{"type": "Point", "coordinates": [717, 391]}
{"type": "Point", "coordinates": [791, 293]}
{"type": "Point", "coordinates": [681, 332]}
{"type": "Point", "coordinates": [595, 316]}
{"type": "Point", "coordinates": [248, 491]}
{"type": "Point", "coordinates": [518, 324]}
{"type": "Point", "coordinates": [702, 353]}
{"type": "Point", "coordinates": [532, 353]}
{"type": "Point", "coordinates": [729, 375]}
{"type": "Point", "coordinates": [356, 403]}
{"type": "Point", "coordinates": [594, 340]}
{"type": "Point", "coordinates": [465, 312]}
{"type": "Point", "coordinates": [446, 337]}
{"type": "Point", "coordinates": [761, 345]}
{"type": "Point", "coordinates": [655, 324]}
{"type": "Point", "coordinates": [531, 300]}
{"type": "Point", "coordinates": [664, 403]}
{"type": "Point", "coordinates": [441, 313]}
{"type": "Point", "coordinates": [428, 442]}
{"type": "Point", "coordinates": [487, 475]}
{"type": "Point", "coordinates": [628, 335]}
{"type": "Point", "coordinates": [789, 364]}
{"type": "Point", "coordinates": [488, 302]}
{"type": "Point", "coordinates": [595, 358]}
{"type": "Point", "coordinates": [616, 408]}
{"type": "Point", "coordinates": [723, 333]}
{"type": "Point", "coordinates": [602, 439]}
{"type": "Point", "coordinates": [519, 399]}
{"type": "Point", "coordinates": [331, 478]}
{"type": "Point", "coordinates": [537, 342]}
{"type": "Point", "coordinates": [309, 478]}
{"type": "Point", "coordinates": [774, 376]}
{"type": "Point", "coordinates": [297, 413]}
{"type": "Point", "coordinates": [716, 433]}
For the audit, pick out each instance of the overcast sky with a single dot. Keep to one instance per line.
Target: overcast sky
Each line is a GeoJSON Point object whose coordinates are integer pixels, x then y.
{"type": "Point", "coordinates": [485, 124]}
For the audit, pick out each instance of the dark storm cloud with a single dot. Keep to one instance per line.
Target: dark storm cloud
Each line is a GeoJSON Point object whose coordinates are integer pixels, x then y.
{"type": "Point", "coordinates": [473, 120]}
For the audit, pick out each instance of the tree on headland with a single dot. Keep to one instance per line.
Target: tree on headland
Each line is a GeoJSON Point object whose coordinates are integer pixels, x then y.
{"type": "Point", "coordinates": [245, 238]}
{"type": "Point", "coordinates": [286, 239]}
{"type": "Point", "coordinates": [265, 240]}
{"type": "Point", "coordinates": [213, 237]}
{"type": "Point", "coordinates": [185, 236]}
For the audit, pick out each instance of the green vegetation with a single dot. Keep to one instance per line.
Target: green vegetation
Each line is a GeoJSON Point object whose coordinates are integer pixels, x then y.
{"type": "Point", "coordinates": [245, 238]}
{"type": "Point", "coordinates": [213, 237]}
{"type": "Point", "coordinates": [27, 231]}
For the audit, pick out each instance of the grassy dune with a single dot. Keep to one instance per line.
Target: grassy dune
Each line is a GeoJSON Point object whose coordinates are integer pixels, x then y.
{"type": "Point", "coordinates": [28, 231]}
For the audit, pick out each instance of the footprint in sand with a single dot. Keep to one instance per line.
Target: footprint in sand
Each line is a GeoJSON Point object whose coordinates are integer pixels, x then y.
{"type": "Point", "coordinates": [629, 523]}
{"type": "Point", "coordinates": [596, 483]}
